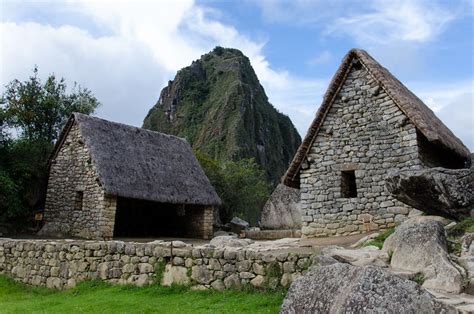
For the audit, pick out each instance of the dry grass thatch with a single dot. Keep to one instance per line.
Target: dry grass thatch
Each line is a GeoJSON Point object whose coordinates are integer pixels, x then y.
{"type": "Point", "coordinates": [419, 114]}
{"type": "Point", "coordinates": [137, 163]}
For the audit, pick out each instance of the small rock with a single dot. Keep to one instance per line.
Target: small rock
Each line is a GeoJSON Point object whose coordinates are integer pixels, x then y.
{"type": "Point", "coordinates": [218, 285]}
{"type": "Point", "coordinates": [258, 281]}
{"type": "Point", "coordinates": [237, 225]}
{"type": "Point", "coordinates": [229, 241]}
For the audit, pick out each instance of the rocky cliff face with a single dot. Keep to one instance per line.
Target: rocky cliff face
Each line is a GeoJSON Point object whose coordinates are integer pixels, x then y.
{"type": "Point", "coordinates": [219, 106]}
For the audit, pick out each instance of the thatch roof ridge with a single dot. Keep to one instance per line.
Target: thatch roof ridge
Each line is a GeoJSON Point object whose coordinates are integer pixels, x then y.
{"type": "Point", "coordinates": [419, 114]}
{"type": "Point", "coordinates": [137, 163]}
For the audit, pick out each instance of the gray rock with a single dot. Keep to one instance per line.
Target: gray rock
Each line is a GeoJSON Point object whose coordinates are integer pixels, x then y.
{"type": "Point", "coordinates": [201, 275]}
{"type": "Point", "coordinates": [258, 281]}
{"type": "Point", "coordinates": [467, 260]}
{"type": "Point", "coordinates": [237, 225]}
{"type": "Point", "coordinates": [224, 233]}
{"type": "Point", "coordinates": [342, 288]}
{"type": "Point", "coordinates": [369, 255]}
{"type": "Point", "coordinates": [229, 241]}
{"type": "Point", "coordinates": [438, 191]}
{"type": "Point", "coordinates": [282, 210]}
{"type": "Point", "coordinates": [419, 245]}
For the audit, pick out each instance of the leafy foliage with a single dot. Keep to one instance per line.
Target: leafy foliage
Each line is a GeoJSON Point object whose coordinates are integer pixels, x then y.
{"type": "Point", "coordinates": [241, 185]}
{"type": "Point", "coordinates": [36, 113]}
{"type": "Point", "coordinates": [463, 226]}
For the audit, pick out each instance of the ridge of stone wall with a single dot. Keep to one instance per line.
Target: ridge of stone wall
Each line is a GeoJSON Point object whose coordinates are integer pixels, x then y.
{"type": "Point", "coordinates": [64, 263]}
{"type": "Point", "coordinates": [72, 172]}
{"type": "Point", "coordinates": [364, 132]}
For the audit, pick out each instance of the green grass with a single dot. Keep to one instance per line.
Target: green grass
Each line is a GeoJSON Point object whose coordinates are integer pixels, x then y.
{"type": "Point", "coordinates": [419, 279]}
{"type": "Point", "coordinates": [464, 226]}
{"type": "Point", "coordinates": [380, 239]}
{"type": "Point", "coordinates": [100, 297]}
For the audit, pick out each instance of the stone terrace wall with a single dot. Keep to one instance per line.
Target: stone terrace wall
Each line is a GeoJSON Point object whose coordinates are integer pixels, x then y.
{"type": "Point", "coordinates": [71, 172]}
{"type": "Point", "coordinates": [366, 132]}
{"type": "Point", "coordinates": [64, 263]}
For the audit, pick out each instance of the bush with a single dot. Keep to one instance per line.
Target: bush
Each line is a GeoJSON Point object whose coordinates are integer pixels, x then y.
{"type": "Point", "coordinates": [241, 185]}
{"type": "Point", "coordinates": [380, 239]}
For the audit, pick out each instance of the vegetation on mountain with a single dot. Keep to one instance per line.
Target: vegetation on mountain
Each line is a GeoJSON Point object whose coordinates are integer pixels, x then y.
{"type": "Point", "coordinates": [240, 184]}
{"type": "Point", "coordinates": [219, 106]}
{"type": "Point", "coordinates": [32, 114]}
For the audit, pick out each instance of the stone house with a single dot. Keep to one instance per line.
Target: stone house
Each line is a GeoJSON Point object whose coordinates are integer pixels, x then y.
{"type": "Point", "coordinates": [368, 125]}
{"type": "Point", "coordinates": [109, 180]}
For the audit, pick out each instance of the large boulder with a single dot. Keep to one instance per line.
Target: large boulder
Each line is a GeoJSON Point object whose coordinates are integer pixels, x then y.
{"type": "Point", "coordinates": [438, 191]}
{"type": "Point", "coordinates": [282, 210]}
{"type": "Point", "coordinates": [343, 288]}
{"type": "Point", "coordinates": [419, 246]}
{"type": "Point", "coordinates": [467, 259]}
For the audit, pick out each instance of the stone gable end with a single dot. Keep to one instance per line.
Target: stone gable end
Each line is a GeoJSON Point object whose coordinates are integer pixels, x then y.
{"type": "Point", "coordinates": [363, 137]}
{"type": "Point", "coordinates": [76, 204]}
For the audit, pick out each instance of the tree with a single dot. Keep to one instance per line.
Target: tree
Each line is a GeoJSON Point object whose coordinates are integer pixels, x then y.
{"type": "Point", "coordinates": [36, 112]}
{"type": "Point", "coordinates": [241, 185]}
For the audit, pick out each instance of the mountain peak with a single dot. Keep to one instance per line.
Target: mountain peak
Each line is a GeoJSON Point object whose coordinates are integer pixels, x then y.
{"type": "Point", "coordinates": [219, 106]}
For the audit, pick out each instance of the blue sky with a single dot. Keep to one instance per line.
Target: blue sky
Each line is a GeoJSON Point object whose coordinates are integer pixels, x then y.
{"type": "Point", "coordinates": [125, 52]}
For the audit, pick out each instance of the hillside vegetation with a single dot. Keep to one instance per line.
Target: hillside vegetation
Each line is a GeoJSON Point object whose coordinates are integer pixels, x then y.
{"type": "Point", "coordinates": [219, 106]}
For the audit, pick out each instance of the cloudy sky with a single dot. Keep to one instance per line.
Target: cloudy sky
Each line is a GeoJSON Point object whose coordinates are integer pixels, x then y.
{"type": "Point", "coordinates": [126, 51]}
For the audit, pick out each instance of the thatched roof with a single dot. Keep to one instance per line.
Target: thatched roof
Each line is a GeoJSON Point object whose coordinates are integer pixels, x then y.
{"type": "Point", "coordinates": [419, 114]}
{"type": "Point", "coordinates": [137, 163]}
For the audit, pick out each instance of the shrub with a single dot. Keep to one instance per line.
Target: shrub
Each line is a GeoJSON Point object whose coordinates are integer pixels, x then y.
{"type": "Point", "coordinates": [241, 185]}
{"type": "Point", "coordinates": [380, 239]}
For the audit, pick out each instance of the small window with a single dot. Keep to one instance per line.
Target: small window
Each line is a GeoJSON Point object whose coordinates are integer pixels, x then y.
{"type": "Point", "coordinates": [78, 200]}
{"type": "Point", "coordinates": [348, 184]}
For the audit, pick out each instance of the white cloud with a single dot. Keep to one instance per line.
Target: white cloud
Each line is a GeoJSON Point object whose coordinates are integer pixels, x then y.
{"type": "Point", "coordinates": [368, 21]}
{"type": "Point", "coordinates": [139, 47]}
{"type": "Point", "coordinates": [322, 58]}
{"type": "Point", "coordinates": [453, 103]}
{"type": "Point", "coordinates": [403, 20]}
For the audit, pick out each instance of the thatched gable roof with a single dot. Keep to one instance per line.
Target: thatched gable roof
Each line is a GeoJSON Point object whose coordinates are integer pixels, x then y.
{"type": "Point", "coordinates": [137, 163]}
{"type": "Point", "coordinates": [419, 114]}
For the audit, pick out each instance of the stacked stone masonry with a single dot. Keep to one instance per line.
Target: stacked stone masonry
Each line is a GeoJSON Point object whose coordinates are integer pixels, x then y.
{"type": "Point", "coordinates": [73, 173]}
{"type": "Point", "coordinates": [65, 263]}
{"type": "Point", "coordinates": [77, 205]}
{"type": "Point", "coordinates": [365, 132]}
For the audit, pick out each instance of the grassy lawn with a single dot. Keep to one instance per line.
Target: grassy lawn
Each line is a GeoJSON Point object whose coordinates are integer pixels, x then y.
{"type": "Point", "coordinates": [99, 297]}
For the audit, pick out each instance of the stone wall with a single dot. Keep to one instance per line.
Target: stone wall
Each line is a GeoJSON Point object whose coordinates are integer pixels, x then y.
{"type": "Point", "coordinates": [365, 132]}
{"type": "Point", "coordinates": [199, 221]}
{"type": "Point", "coordinates": [73, 176]}
{"type": "Point", "coordinates": [62, 264]}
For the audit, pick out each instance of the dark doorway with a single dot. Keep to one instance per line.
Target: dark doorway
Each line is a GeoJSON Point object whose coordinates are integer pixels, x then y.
{"type": "Point", "coordinates": [348, 184]}
{"type": "Point", "coordinates": [146, 219]}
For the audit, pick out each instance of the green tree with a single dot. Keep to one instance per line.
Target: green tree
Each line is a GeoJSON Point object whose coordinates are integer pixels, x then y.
{"type": "Point", "coordinates": [241, 185]}
{"type": "Point", "coordinates": [38, 111]}
{"type": "Point", "coordinates": [35, 113]}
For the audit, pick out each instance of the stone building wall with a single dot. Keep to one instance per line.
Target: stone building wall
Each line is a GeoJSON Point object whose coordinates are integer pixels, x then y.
{"type": "Point", "coordinates": [365, 132]}
{"type": "Point", "coordinates": [62, 264]}
{"type": "Point", "coordinates": [200, 221]}
{"type": "Point", "coordinates": [72, 177]}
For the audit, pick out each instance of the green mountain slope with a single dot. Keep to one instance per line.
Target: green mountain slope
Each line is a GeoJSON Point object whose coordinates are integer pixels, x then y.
{"type": "Point", "coordinates": [219, 106]}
